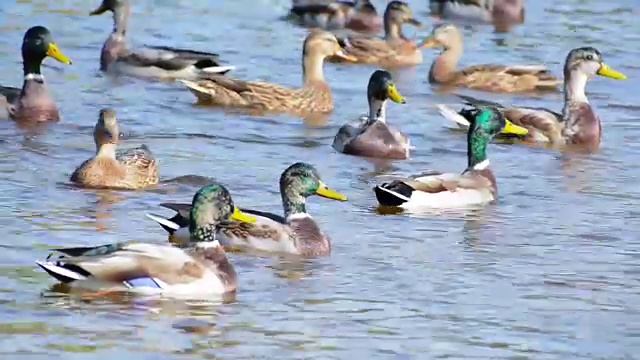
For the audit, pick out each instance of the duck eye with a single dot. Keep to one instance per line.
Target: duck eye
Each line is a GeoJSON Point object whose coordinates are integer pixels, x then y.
{"type": "Point", "coordinates": [589, 57]}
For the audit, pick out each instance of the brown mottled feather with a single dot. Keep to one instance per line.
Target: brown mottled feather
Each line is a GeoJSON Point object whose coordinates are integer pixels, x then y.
{"type": "Point", "coordinates": [377, 51]}
{"type": "Point", "coordinates": [377, 140]}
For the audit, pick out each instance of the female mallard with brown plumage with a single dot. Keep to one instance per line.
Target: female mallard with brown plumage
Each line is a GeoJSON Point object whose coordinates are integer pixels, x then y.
{"type": "Point", "coordinates": [395, 50]}
{"type": "Point", "coordinates": [578, 123]}
{"type": "Point", "coordinates": [358, 15]}
{"type": "Point", "coordinates": [487, 77]}
{"type": "Point", "coordinates": [371, 136]}
{"type": "Point", "coordinates": [295, 233]}
{"type": "Point", "coordinates": [313, 97]}
{"type": "Point", "coordinates": [32, 102]}
{"type": "Point", "coordinates": [475, 186]}
{"type": "Point", "coordinates": [132, 169]}
{"type": "Point", "coordinates": [487, 11]}
{"type": "Point", "coordinates": [200, 269]}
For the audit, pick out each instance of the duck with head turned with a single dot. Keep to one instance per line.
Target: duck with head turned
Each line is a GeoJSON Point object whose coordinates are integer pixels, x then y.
{"type": "Point", "coordinates": [160, 62]}
{"type": "Point", "coordinates": [358, 15]}
{"type": "Point", "coordinates": [577, 126]}
{"type": "Point", "coordinates": [314, 96]}
{"type": "Point", "coordinates": [202, 268]}
{"type": "Point", "coordinates": [295, 233]}
{"type": "Point", "coordinates": [486, 77]}
{"type": "Point", "coordinates": [32, 103]}
{"type": "Point", "coordinates": [395, 50]}
{"type": "Point", "coordinates": [475, 186]}
{"type": "Point", "coordinates": [372, 136]}
{"type": "Point", "coordinates": [132, 169]}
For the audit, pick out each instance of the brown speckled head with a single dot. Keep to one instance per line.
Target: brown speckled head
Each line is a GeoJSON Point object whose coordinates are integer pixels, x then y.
{"type": "Point", "coordinates": [106, 129]}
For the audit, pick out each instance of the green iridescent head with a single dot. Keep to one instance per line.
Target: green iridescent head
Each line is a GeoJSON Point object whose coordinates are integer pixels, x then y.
{"type": "Point", "coordinates": [300, 181]}
{"type": "Point", "coordinates": [211, 205]}
{"type": "Point", "coordinates": [38, 44]}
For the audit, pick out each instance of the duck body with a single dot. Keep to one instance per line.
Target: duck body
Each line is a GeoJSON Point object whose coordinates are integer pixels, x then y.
{"type": "Point", "coordinates": [32, 102]}
{"type": "Point", "coordinates": [199, 269]}
{"type": "Point", "coordinates": [161, 62]}
{"type": "Point", "coordinates": [314, 96]}
{"type": "Point", "coordinates": [483, 11]}
{"type": "Point", "coordinates": [333, 15]}
{"type": "Point", "coordinates": [577, 124]}
{"type": "Point", "coordinates": [131, 169]}
{"type": "Point", "coordinates": [475, 186]}
{"type": "Point", "coordinates": [395, 50]}
{"type": "Point", "coordinates": [295, 233]}
{"type": "Point", "coordinates": [485, 77]}
{"type": "Point", "coordinates": [372, 136]}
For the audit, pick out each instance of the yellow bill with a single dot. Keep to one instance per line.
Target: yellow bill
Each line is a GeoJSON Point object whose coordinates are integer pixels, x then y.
{"type": "Point", "coordinates": [54, 52]}
{"type": "Point", "coordinates": [342, 55]}
{"type": "Point", "coordinates": [394, 94]}
{"type": "Point", "coordinates": [324, 191]}
{"type": "Point", "coordinates": [429, 42]}
{"type": "Point", "coordinates": [607, 71]}
{"type": "Point", "coordinates": [511, 128]}
{"type": "Point", "coordinates": [240, 216]}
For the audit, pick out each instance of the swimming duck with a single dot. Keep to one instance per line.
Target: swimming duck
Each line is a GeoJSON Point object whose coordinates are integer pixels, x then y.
{"type": "Point", "coordinates": [161, 62]}
{"type": "Point", "coordinates": [371, 136]}
{"type": "Point", "coordinates": [202, 268]}
{"type": "Point", "coordinates": [358, 15]}
{"type": "Point", "coordinates": [578, 123]}
{"type": "Point", "coordinates": [487, 77]}
{"type": "Point", "coordinates": [295, 233]}
{"type": "Point", "coordinates": [475, 186]}
{"type": "Point", "coordinates": [132, 169]}
{"type": "Point", "coordinates": [313, 97]}
{"type": "Point", "coordinates": [487, 11]}
{"type": "Point", "coordinates": [32, 102]}
{"type": "Point", "coordinates": [395, 49]}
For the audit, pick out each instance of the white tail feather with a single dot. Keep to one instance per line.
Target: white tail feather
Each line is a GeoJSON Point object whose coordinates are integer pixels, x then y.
{"type": "Point", "coordinates": [452, 115]}
{"type": "Point", "coordinates": [218, 69]}
{"type": "Point", "coordinates": [399, 196]}
{"type": "Point", "coordinates": [160, 220]}
{"type": "Point", "coordinates": [60, 270]}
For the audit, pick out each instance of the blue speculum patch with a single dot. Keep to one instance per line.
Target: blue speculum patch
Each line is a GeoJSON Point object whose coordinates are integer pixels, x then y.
{"type": "Point", "coordinates": [143, 282]}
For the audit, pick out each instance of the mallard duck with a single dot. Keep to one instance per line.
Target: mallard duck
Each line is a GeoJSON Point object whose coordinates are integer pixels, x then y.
{"type": "Point", "coordinates": [202, 268]}
{"type": "Point", "coordinates": [32, 102]}
{"type": "Point", "coordinates": [132, 169]}
{"type": "Point", "coordinates": [161, 62]}
{"type": "Point", "coordinates": [475, 186]}
{"type": "Point", "coordinates": [371, 136]}
{"type": "Point", "coordinates": [578, 123]}
{"type": "Point", "coordinates": [395, 49]}
{"type": "Point", "coordinates": [295, 233]}
{"type": "Point", "coordinates": [487, 11]}
{"type": "Point", "coordinates": [358, 15]}
{"type": "Point", "coordinates": [487, 77]}
{"type": "Point", "coordinates": [313, 97]}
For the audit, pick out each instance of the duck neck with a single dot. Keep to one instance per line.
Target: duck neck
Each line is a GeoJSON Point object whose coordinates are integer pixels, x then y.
{"type": "Point", "coordinates": [476, 151]}
{"type": "Point", "coordinates": [31, 69]}
{"type": "Point", "coordinates": [445, 63]}
{"type": "Point", "coordinates": [377, 110]}
{"type": "Point", "coordinates": [312, 68]}
{"type": "Point", "coordinates": [574, 85]}
{"type": "Point", "coordinates": [392, 30]}
{"type": "Point", "coordinates": [120, 18]}
{"type": "Point", "coordinates": [106, 151]}
{"type": "Point", "coordinates": [293, 203]}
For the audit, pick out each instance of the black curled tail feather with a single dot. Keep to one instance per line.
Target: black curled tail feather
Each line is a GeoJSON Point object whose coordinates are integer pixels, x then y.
{"type": "Point", "coordinates": [386, 193]}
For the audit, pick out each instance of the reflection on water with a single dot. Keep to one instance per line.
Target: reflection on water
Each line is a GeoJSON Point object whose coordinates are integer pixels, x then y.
{"type": "Point", "coordinates": [548, 271]}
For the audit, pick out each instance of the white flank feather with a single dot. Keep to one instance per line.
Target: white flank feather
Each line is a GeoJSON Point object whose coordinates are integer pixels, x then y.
{"type": "Point", "coordinates": [218, 69]}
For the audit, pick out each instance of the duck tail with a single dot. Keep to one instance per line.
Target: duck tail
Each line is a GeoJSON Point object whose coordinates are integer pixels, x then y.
{"type": "Point", "coordinates": [167, 224]}
{"type": "Point", "coordinates": [395, 193]}
{"type": "Point", "coordinates": [453, 115]}
{"type": "Point", "coordinates": [65, 273]}
{"type": "Point", "coordinates": [211, 67]}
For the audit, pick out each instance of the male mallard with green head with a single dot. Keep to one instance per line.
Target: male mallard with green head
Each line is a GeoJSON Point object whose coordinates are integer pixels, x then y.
{"type": "Point", "coordinates": [32, 102]}
{"type": "Point", "coordinates": [132, 169]}
{"type": "Point", "coordinates": [295, 233]}
{"type": "Point", "coordinates": [577, 125]}
{"type": "Point", "coordinates": [200, 269]}
{"type": "Point", "coordinates": [372, 136]}
{"type": "Point", "coordinates": [475, 186]}
{"type": "Point", "coordinates": [161, 62]}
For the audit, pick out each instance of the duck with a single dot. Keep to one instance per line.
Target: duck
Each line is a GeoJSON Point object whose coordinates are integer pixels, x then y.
{"type": "Point", "coordinates": [476, 185]}
{"type": "Point", "coordinates": [371, 136]}
{"type": "Point", "coordinates": [294, 233]}
{"type": "Point", "coordinates": [395, 50]}
{"type": "Point", "coordinates": [314, 96]}
{"type": "Point", "coordinates": [159, 62]}
{"type": "Point", "coordinates": [577, 126]}
{"type": "Point", "coordinates": [358, 15]}
{"type": "Point", "coordinates": [32, 103]}
{"type": "Point", "coordinates": [485, 11]}
{"type": "Point", "coordinates": [485, 77]}
{"type": "Point", "coordinates": [131, 169]}
{"type": "Point", "coordinates": [202, 268]}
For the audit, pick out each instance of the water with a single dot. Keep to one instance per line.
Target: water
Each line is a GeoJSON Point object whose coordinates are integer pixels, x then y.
{"type": "Point", "coordinates": [547, 272]}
